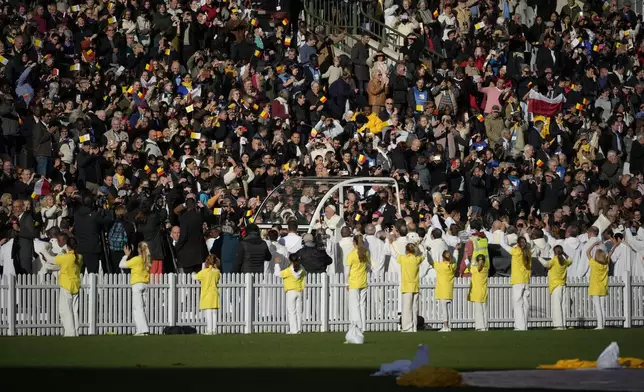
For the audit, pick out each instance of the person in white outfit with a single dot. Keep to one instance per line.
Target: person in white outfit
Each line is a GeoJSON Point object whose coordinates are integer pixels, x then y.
{"type": "Point", "coordinates": [292, 241]}
{"type": "Point", "coordinates": [620, 256]}
{"type": "Point", "coordinates": [139, 278]}
{"type": "Point", "coordinates": [294, 277]}
{"type": "Point", "coordinates": [378, 250]}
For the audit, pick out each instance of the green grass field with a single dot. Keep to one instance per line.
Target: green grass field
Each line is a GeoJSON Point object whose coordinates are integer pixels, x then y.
{"type": "Point", "coordinates": [317, 353]}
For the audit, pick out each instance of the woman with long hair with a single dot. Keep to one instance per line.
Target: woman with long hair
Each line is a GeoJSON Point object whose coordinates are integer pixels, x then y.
{"type": "Point", "coordinates": [409, 286]}
{"type": "Point", "coordinates": [444, 291]}
{"type": "Point", "coordinates": [69, 281]}
{"type": "Point", "coordinates": [557, 275]}
{"type": "Point", "coordinates": [479, 269]}
{"type": "Point", "coordinates": [598, 285]}
{"type": "Point", "coordinates": [520, 280]}
{"type": "Point", "coordinates": [139, 279]}
{"type": "Point", "coordinates": [358, 263]}
{"type": "Point", "coordinates": [209, 296]}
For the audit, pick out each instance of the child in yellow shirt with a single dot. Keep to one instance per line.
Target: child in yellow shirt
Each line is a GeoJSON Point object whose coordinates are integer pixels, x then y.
{"type": "Point", "coordinates": [209, 295]}
{"type": "Point", "coordinates": [294, 277]}
{"type": "Point", "coordinates": [557, 276]}
{"type": "Point", "coordinates": [444, 291]}
{"type": "Point", "coordinates": [598, 287]}
{"type": "Point", "coordinates": [478, 291]}
{"type": "Point", "coordinates": [139, 279]}
{"type": "Point", "coordinates": [410, 285]}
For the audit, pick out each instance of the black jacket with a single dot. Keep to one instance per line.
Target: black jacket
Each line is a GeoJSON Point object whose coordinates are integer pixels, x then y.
{"type": "Point", "coordinates": [251, 254]}
{"type": "Point", "coordinates": [314, 261]}
{"type": "Point", "coordinates": [150, 232]}
{"type": "Point", "coordinates": [87, 228]}
{"type": "Point", "coordinates": [191, 248]}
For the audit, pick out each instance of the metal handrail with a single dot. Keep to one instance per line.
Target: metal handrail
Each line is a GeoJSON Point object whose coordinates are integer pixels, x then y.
{"type": "Point", "coordinates": [356, 19]}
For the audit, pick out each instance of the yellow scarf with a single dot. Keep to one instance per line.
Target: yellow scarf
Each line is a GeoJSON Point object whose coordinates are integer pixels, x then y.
{"type": "Point", "coordinates": [187, 85]}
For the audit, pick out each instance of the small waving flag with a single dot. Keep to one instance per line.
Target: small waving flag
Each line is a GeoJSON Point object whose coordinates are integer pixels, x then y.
{"type": "Point", "coordinates": [279, 69]}
{"type": "Point", "coordinates": [419, 108]}
{"type": "Point", "coordinates": [190, 109]}
{"type": "Point", "coordinates": [167, 52]}
{"type": "Point", "coordinates": [111, 20]}
{"type": "Point", "coordinates": [35, 196]}
{"type": "Point", "coordinates": [254, 22]}
{"type": "Point", "coordinates": [323, 99]}
{"type": "Point", "coordinates": [362, 159]}
{"type": "Point", "coordinates": [357, 218]}
{"type": "Point", "coordinates": [130, 90]}
{"type": "Point", "coordinates": [231, 106]}
{"type": "Point", "coordinates": [148, 67]}
{"type": "Point", "coordinates": [195, 135]}
{"type": "Point", "coordinates": [76, 8]}
{"type": "Point", "coordinates": [285, 22]}
{"type": "Point", "coordinates": [84, 138]}
{"type": "Point", "coordinates": [435, 13]}
{"type": "Point", "coordinates": [286, 166]}
{"type": "Point", "coordinates": [140, 95]}
{"type": "Point", "coordinates": [584, 101]}
{"type": "Point", "coordinates": [480, 117]}
{"type": "Point", "coordinates": [216, 211]}
{"type": "Point", "coordinates": [249, 213]}
{"type": "Point", "coordinates": [579, 106]}
{"type": "Point", "coordinates": [539, 162]}
{"type": "Point", "coordinates": [479, 25]}
{"type": "Point", "coordinates": [147, 169]}
{"type": "Point", "coordinates": [38, 43]}
{"type": "Point", "coordinates": [75, 67]}
{"type": "Point", "coordinates": [4, 60]}
{"type": "Point", "coordinates": [258, 53]}
{"type": "Point", "coordinates": [287, 41]}
{"type": "Point", "coordinates": [160, 171]}
{"type": "Point", "coordinates": [314, 132]}
{"type": "Point", "coordinates": [264, 114]}
{"type": "Point", "coordinates": [595, 48]}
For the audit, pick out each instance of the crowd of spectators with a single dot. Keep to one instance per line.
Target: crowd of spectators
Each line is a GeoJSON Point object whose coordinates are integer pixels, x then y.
{"type": "Point", "coordinates": [172, 122]}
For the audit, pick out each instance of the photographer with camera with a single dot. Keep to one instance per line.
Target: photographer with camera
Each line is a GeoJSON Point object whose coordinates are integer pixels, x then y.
{"type": "Point", "coordinates": [90, 219]}
{"type": "Point", "coordinates": [148, 221]}
{"type": "Point", "coordinates": [89, 168]}
{"type": "Point", "coordinates": [314, 258]}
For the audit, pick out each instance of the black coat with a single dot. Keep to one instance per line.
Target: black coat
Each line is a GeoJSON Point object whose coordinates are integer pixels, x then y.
{"type": "Point", "coordinates": [150, 232]}
{"type": "Point", "coordinates": [478, 192]}
{"type": "Point", "coordinates": [251, 254]}
{"type": "Point", "coordinates": [25, 242]}
{"type": "Point", "coordinates": [87, 228]}
{"type": "Point", "coordinates": [314, 261]}
{"type": "Point", "coordinates": [191, 248]}
{"type": "Point", "coordinates": [637, 157]}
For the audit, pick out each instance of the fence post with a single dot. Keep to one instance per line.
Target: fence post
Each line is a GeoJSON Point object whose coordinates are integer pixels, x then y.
{"type": "Point", "coordinates": [324, 304]}
{"type": "Point", "coordinates": [11, 305]}
{"type": "Point", "coordinates": [93, 302]}
{"type": "Point", "coordinates": [172, 300]}
{"type": "Point", "coordinates": [248, 303]}
{"type": "Point", "coordinates": [626, 299]}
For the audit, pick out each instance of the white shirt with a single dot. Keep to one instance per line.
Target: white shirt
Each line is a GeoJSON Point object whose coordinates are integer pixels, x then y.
{"type": "Point", "coordinates": [5, 259]}
{"type": "Point", "coordinates": [379, 251]}
{"type": "Point", "coordinates": [292, 242]}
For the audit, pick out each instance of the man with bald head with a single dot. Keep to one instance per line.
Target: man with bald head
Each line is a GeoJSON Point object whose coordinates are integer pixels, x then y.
{"type": "Point", "coordinates": [151, 146]}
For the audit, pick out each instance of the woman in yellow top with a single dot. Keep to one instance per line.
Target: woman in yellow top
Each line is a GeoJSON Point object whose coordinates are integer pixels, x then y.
{"type": "Point", "coordinates": [479, 269]}
{"type": "Point", "coordinates": [520, 281]}
{"type": "Point", "coordinates": [444, 291]}
{"type": "Point", "coordinates": [69, 281]}
{"type": "Point", "coordinates": [209, 295]}
{"type": "Point", "coordinates": [557, 276]}
{"type": "Point", "coordinates": [598, 288]}
{"type": "Point", "coordinates": [294, 277]}
{"type": "Point", "coordinates": [409, 287]}
{"type": "Point", "coordinates": [355, 271]}
{"type": "Point", "coordinates": [139, 279]}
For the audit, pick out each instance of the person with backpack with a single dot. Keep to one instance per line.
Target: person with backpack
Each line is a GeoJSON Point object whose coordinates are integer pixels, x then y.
{"type": "Point", "coordinates": [121, 233]}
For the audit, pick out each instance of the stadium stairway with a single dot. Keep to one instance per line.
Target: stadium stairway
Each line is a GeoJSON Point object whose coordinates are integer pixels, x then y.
{"type": "Point", "coordinates": [351, 17]}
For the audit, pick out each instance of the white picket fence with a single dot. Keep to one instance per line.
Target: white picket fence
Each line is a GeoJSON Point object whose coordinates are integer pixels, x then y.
{"type": "Point", "coordinates": [256, 304]}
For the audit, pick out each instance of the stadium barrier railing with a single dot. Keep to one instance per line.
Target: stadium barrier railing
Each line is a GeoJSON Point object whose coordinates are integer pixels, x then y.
{"type": "Point", "coordinates": [256, 304]}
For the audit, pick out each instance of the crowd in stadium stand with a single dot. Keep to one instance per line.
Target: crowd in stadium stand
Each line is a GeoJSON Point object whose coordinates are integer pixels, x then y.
{"type": "Point", "coordinates": [171, 123]}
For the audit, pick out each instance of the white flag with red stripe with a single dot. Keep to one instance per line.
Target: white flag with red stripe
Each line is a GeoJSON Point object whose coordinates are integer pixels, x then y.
{"type": "Point", "coordinates": [540, 104]}
{"type": "Point", "coordinates": [41, 188]}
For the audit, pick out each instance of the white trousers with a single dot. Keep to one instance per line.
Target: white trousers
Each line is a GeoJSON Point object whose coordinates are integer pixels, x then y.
{"type": "Point", "coordinates": [557, 299]}
{"type": "Point", "coordinates": [139, 291]}
{"type": "Point", "coordinates": [409, 322]}
{"type": "Point", "coordinates": [521, 300]}
{"type": "Point", "coordinates": [211, 321]}
{"type": "Point", "coordinates": [294, 311]}
{"type": "Point", "coordinates": [480, 316]}
{"type": "Point", "coordinates": [445, 307]}
{"type": "Point", "coordinates": [358, 308]}
{"type": "Point", "coordinates": [600, 305]}
{"type": "Point", "coordinates": [68, 309]}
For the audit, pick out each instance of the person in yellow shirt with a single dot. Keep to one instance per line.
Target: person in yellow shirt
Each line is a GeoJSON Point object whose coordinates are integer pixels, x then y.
{"type": "Point", "coordinates": [409, 287]}
{"type": "Point", "coordinates": [479, 269]}
{"type": "Point", "coordinates": [355, 272]}
{"type": "Point", "coordinates": [598, 287]}
{"type": "Point", "coordinates": [294, 277]}
{"type": "Point", "coordinates": [557, 276]}
{"type": "Point", "coordinates": [139, 279]}
{"type": "Point", "coordinates": [520, 281]}
{"type": "Point", "coordinates": [444, 291]}
{"type": "Point", "coordinates": [209, 295]}
{"type": "Point", "coordinates": [69, 281]}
